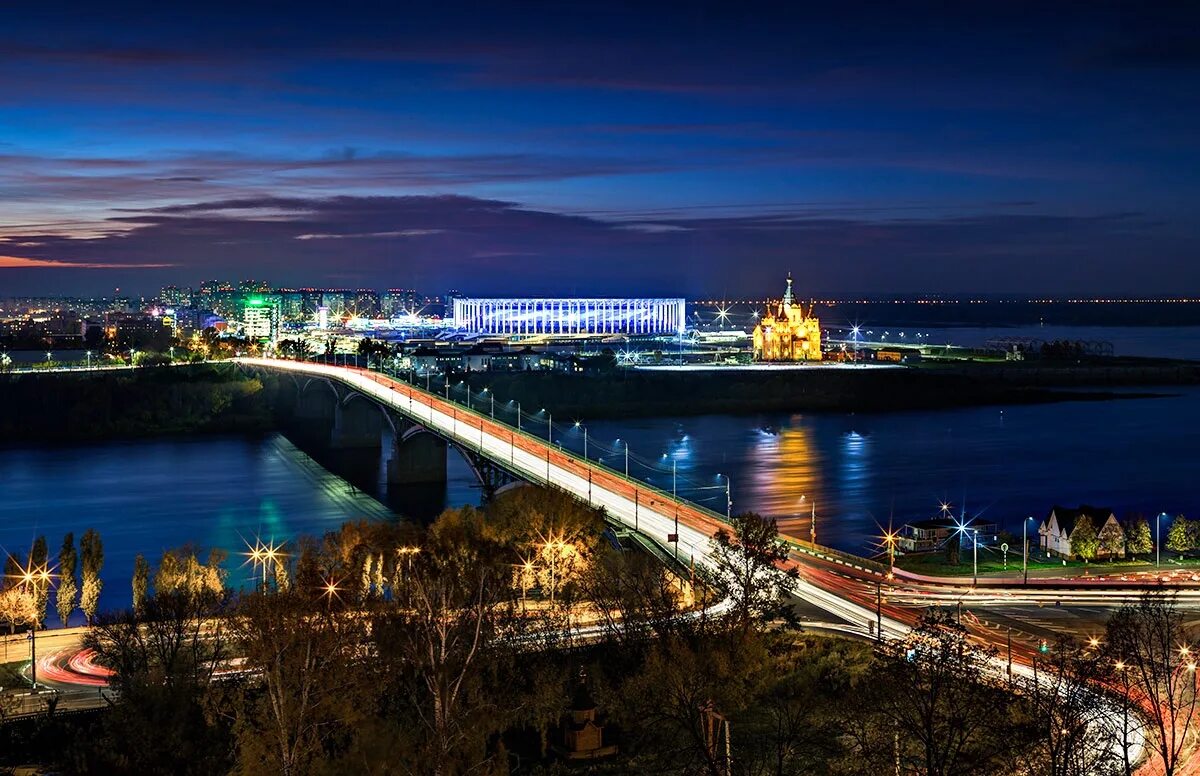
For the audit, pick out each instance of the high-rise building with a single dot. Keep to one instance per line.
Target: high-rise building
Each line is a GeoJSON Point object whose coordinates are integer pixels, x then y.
{"type": "Point", "coordinates": [366, 303]}
{"type": "Point", "coordinates": [175, 297]}
{"type": "Point", "coordinates": [260, 316]}
{"type": "Point", "coordinates": [396, 302]}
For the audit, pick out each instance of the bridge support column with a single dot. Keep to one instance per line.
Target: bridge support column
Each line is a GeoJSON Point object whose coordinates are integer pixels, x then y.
{"type": "Point", "coordinates": [356, 424]}
{"type": "Point", "coordinates": [418, 460]}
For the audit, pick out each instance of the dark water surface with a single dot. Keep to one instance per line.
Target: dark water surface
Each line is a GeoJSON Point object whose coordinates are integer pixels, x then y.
{"type": "Point", "coordinates": [1131, 455]}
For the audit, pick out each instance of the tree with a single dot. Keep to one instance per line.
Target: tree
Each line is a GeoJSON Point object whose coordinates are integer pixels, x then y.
{"type": "Point", "coordinates": [1179, 535]}
{"type": "Point", "coordinates": [1070, 720]}
{"type": "Point", "coordinates": [67, 597]}
{"type": "Point", "coordinates": [180, 571]}
{"type": "Point", "coordinates": [931, 704]}
{"type": "Point", "coordinates": [1084, 541]}
{"type": "Point", "coordinates": [141, 583]}
{"type": "Point", "coordinates": [1137, 536]}
{"type": "Point", "coordinates": [317, 680]}
{"type": "Point", "coordinates": [39, 560]}
{"type": "Point", "coordinates": [452, 615]}
{"type": "Point", "coordinates": [746, 568]}
{"type": "Point", "coordinates": [17, 607]}
{"type": "Point", "coordinates": [164, 662]}
{"type": "Point", "coordinates": [1112, 539]}
{"type": "Point", "coordinates": [1145, 638]}
{"type": "Point", "coordinates": [92, 551]}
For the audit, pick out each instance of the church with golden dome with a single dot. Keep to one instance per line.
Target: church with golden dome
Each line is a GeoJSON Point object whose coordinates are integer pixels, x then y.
{"type": "Point", "coordinates": [785, 333]}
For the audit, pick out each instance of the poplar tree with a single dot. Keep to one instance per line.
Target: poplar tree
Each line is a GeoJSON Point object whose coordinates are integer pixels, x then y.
{"type": "Point", "coordinates": [67, 598]}
{"type": "Point", "coordinates": [141, 583]}
{"type": "Point", "coordinates": [92, 550]}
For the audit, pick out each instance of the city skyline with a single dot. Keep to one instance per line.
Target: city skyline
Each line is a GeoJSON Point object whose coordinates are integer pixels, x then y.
{"type": "Point", "coordinates": [603, 149]}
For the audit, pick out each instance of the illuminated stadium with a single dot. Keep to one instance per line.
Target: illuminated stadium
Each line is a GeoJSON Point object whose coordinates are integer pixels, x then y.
{"type": "Point", "coordinates": [570, 316]}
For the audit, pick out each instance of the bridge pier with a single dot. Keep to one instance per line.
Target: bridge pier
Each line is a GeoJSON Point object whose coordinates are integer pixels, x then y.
{"type": "Point", "coordinates": [419, 459]}
{"type": "Point", "coordinates": [357, 423]}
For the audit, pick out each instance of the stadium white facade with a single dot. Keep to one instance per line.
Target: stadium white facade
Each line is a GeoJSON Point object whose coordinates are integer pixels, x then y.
{"type": "Point", "coordinates": [570, 316]}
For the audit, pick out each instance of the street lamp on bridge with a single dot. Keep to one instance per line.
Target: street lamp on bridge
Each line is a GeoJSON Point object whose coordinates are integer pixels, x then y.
{"type": "Point", "coordinates": [728, 496]}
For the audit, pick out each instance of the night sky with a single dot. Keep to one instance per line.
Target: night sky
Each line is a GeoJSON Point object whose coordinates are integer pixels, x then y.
{"type": "Point", "coordinates": [576, 148]}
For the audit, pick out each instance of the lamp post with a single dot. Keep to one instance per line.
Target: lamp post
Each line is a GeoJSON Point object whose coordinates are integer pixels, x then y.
{"type": "Point", "coordinates": [89, 359]}
{"type": "Point", "coordinates": [975, 557]}
{"type": "Point", "coordinates": [728, 497]}
{"type": "Point", "coordinates": [1157, 535]}
{"type": "Point", "coordinates": [579, 425]}
{"type": "Point", "coordinates": [1025, 554]}
{"type": "Point", "coordinates": [549, 441]}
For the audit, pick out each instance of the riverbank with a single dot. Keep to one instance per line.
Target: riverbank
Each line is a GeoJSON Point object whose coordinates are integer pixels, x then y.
{"type": "Point", "coordinates": [689, 391]}
{"type": "Point", "coordinates": [143, 403]}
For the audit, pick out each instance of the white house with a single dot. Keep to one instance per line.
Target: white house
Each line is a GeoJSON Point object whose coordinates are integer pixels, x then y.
{"type": "Point", "coordinates": [1059, 526]}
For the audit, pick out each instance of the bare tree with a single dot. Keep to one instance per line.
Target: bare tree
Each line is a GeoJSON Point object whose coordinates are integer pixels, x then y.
{"type": "Point", "coordinates": [1068, 714]}
{"type": "Point", "coordinates": [934, 689]}
{"type": "Point", "coordinates": [1151, 641]}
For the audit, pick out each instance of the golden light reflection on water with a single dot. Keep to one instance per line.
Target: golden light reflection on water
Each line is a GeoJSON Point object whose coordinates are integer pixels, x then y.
{"type": "Point", "coordinates": [789, 476]}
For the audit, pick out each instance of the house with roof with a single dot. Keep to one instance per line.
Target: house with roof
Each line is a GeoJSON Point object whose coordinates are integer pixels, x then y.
{"type": "Point", "coordinates": [1060, 528]}
{"type": "Point", "coordinates": [933, 533]}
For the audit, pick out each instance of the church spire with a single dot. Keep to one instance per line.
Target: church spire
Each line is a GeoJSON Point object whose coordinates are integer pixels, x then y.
{"type": "Point", "coordinates": [787, 295]}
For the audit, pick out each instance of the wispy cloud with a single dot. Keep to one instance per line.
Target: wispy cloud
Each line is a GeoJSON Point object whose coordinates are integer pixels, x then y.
{"type": "Point", "coordinates": [21, 262]}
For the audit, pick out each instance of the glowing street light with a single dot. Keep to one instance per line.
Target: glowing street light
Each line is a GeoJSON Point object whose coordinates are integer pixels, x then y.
{"type": "Point", "coordinates": [35, 580]}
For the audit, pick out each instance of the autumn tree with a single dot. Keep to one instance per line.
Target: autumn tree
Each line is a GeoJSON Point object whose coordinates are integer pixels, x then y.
{"type": "Point", "coordinates": [141, 583]}
{"type": "Point", "coordinates": [1138, 540]}
{"type": "Point", "coordinates": [316, 677]}
{"type": "Point", "coordinates": [448, 625]}
{"type": "Point", "coordinates": [1179, 535]}
{"type": "Point", "coordinates": [67, 597]}
{"type": "Point", "coordinates": [1084, 541]}
{"type": "Point", "coordinates": [92, 552]}
{"type": "Point", "coordinates": [180, 571]}
{"type": "Point", "coordinates": [1112, 539]}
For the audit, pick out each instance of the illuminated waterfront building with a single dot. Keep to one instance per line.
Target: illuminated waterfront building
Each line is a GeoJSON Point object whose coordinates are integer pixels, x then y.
{"type": "Point", "coordinates": [570, 316]}
{"type": "Point", "coordinates": [786, 333]}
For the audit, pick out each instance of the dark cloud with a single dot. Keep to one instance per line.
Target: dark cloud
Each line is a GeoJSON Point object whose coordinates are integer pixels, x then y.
{"type": "Point", "coordinates": [493, 246]}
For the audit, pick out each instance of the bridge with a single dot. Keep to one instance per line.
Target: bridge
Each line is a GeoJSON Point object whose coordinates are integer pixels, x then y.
{"type": "Point", "coordinates": [350, 406]}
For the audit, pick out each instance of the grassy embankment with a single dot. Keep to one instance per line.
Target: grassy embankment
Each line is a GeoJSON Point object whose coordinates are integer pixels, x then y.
{"type": "Point", "coordinates": [935, 564]}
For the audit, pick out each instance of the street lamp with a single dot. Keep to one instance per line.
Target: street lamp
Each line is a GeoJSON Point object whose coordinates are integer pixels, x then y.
{"type": "Point", "coordinates": [1157, 535]}
{"type": "Point", "coordinates": [728, 497]}
{"type": "Point", "coordinates": [491, 395]}
{"type": "Point", "coordinates": [578, 425]}
{"type": "Point", "coordinates": [812, 522]}
{"type": "Point", "coordinates": [1025, 555]}
{"type": "Point", "coordinates": [975, 557]}
{"type": "Point", "coordinates": [89, 359]}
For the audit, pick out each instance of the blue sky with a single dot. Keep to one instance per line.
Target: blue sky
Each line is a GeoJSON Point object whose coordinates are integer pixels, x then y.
{"type": "Point", "coordinates": [688, 148]}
